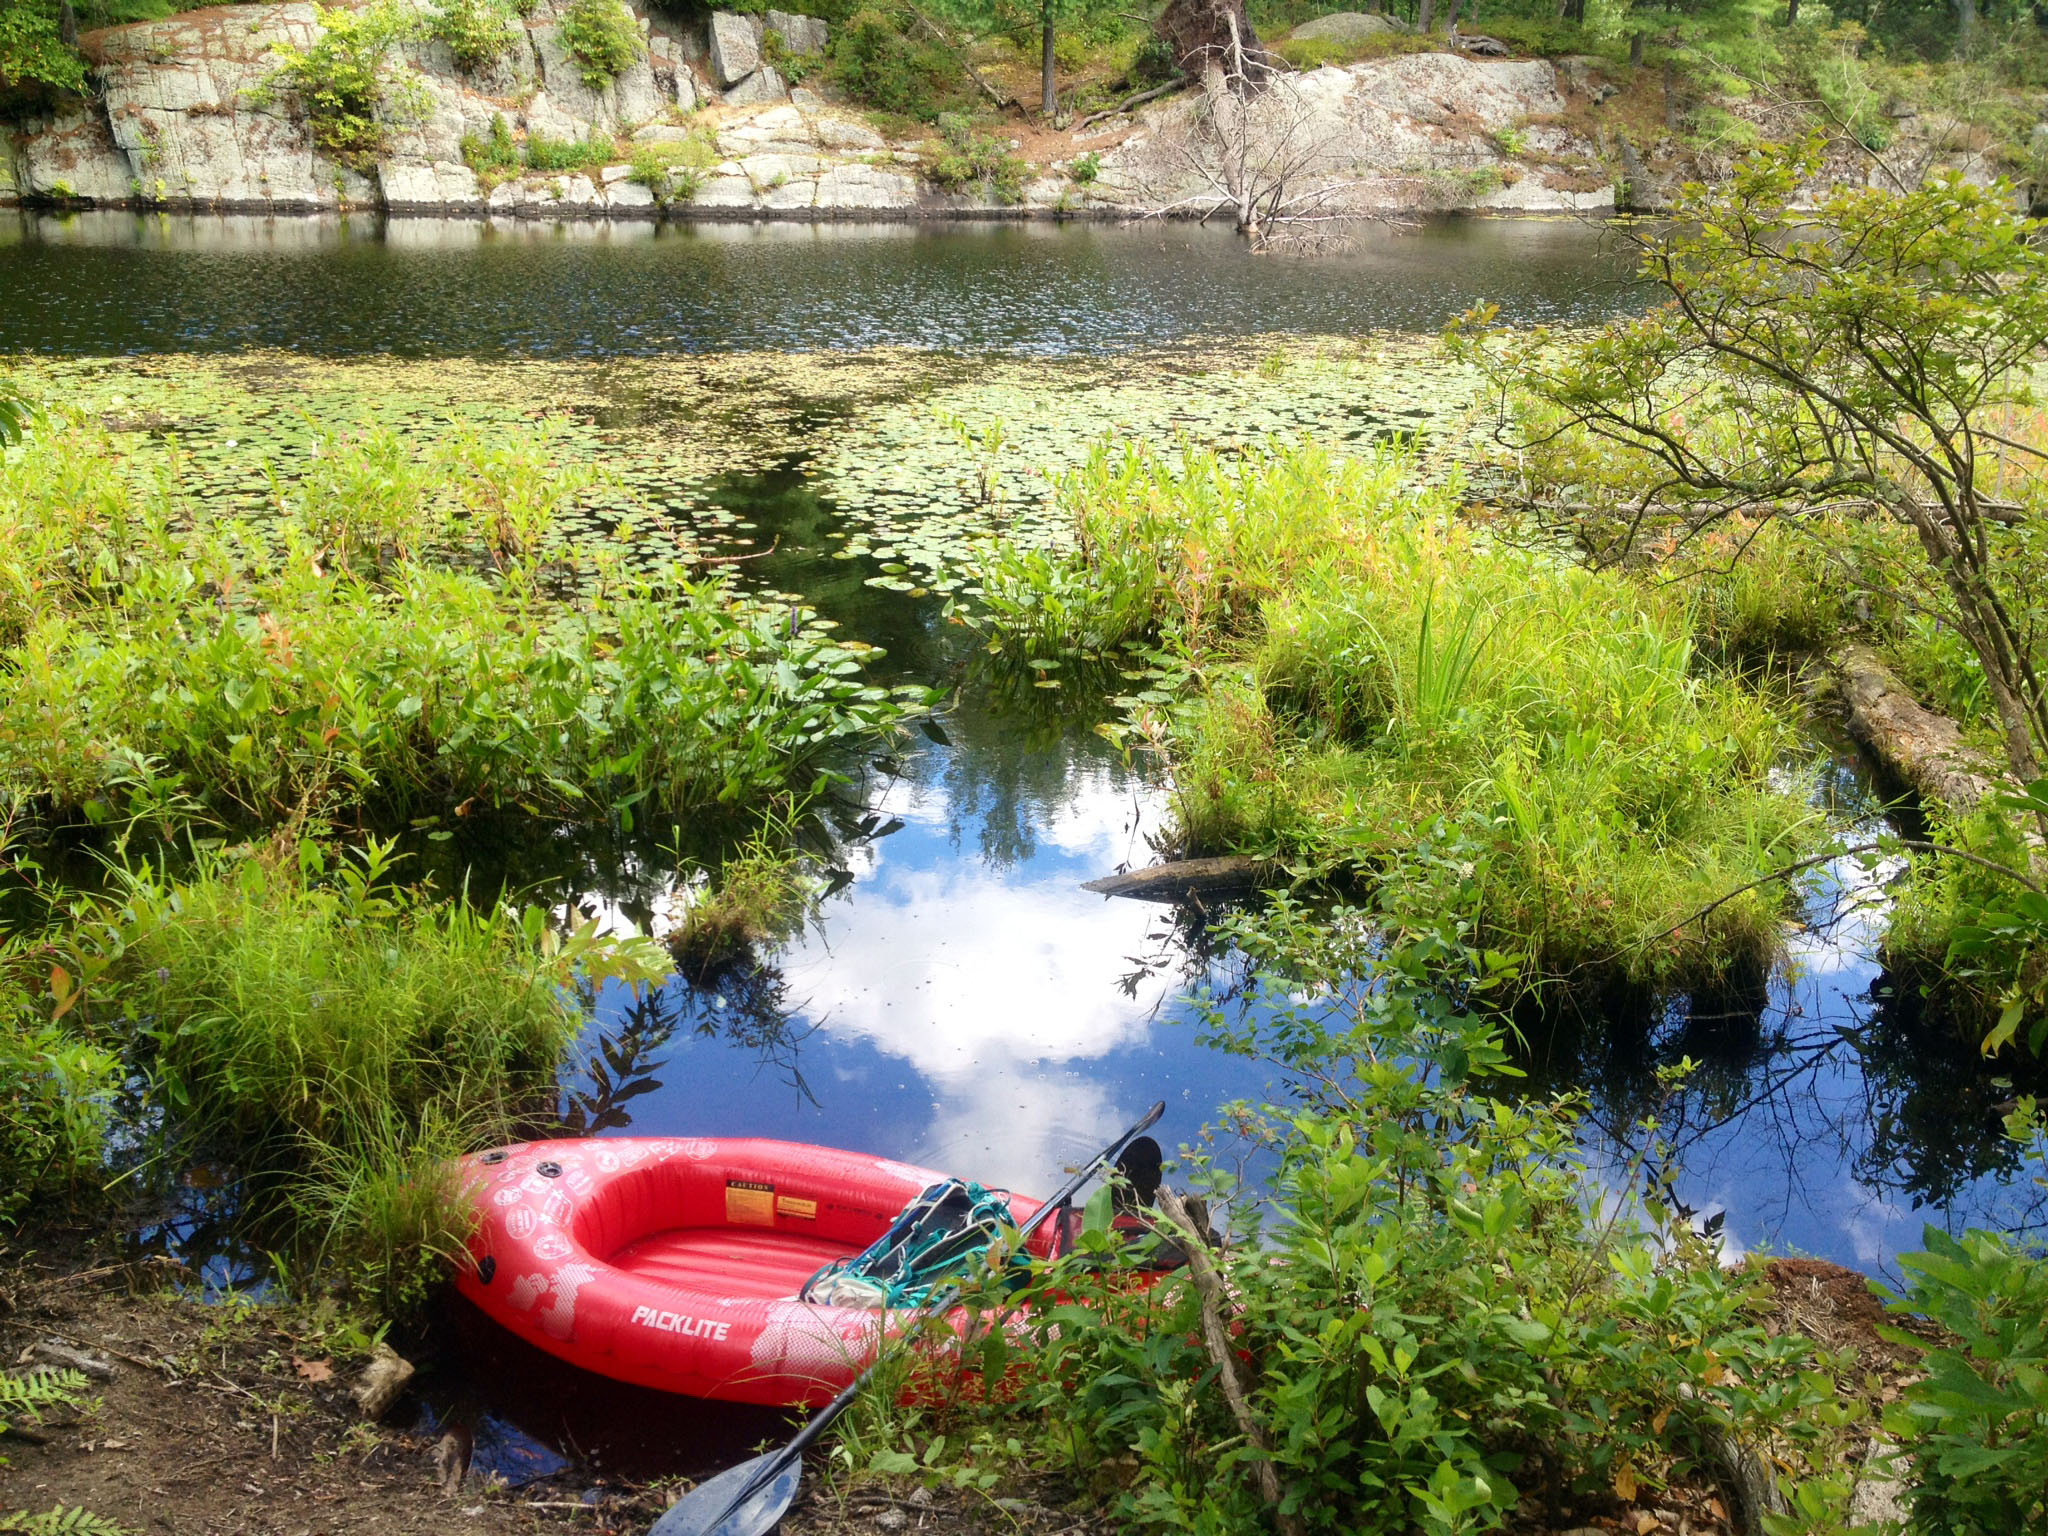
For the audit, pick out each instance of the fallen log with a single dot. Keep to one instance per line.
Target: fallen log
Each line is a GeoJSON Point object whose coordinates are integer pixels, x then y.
{"type": "Point", "coordinates": [1924, 749]}
{"type": "Point", "coordinates": [1188, 877]}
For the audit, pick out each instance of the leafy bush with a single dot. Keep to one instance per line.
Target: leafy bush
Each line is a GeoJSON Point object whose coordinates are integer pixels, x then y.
{"type": "Point", "coordinates": [1436, 1315]}
{"type": "Point", "coordinates": [1976, 1424]}
{"type": "Point", "coordinates": [966, 158]}
{"type": "Point", "coordinates": [792, 66]}
{"type": "Point", "coordinates": [604, 37]}
{"type": "Point", "coordinates": [494, 156]}
{"type": "Point", "coordinates": [339, 81]}
{"type": "Point", "coordinates": [874, 62]}
{"type": "Point", "coordinates": [478, 32]}
{"type": "Point", "coordinates": [1085, 169]}
{"type": "Point", "coordinates": [57, 1087]}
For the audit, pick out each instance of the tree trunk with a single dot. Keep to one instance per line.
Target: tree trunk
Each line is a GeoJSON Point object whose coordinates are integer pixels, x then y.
{"type": "Point", "coordinates": [1047, 84]}
{"type": "Point", "coordinates": [1670, 96]}
{"type": "Point", "coordinates": [1426, 17]}
{"type": "Point", "coordinates": [1201, 32]}
{"type": "Point", "coordinates": [1635, 51]}
{"type": "Point", "coordinates": [1966, 25]}
{"type": "Point", "coordinates": [67, 25]}
{"type": "Point", "coordinates": [1451, 21]}
{"type": "Point", "coordinates": [1791, 13]}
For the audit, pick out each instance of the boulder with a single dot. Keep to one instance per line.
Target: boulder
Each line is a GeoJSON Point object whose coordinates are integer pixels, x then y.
{"type": "Point", "coordinates": [847, 135]}
{"type": "Point", "coordinates": [800, 34]}
{"type": "Point", "coordinates": [866, 188]}
{"type": "Point", "coordinates": [661, 133]}
{"type": "Point", "coordinates": [441, 185]}
{"type": "Point", "coordinates": [1345, 27]}
{"type": "Point", "coordinates": [764, 84]}
{"type": "Point", "coordinates": [735, 48]}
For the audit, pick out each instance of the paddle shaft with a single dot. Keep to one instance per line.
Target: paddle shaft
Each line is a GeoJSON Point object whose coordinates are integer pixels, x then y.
{"type": "Point", "coordinates": [773, 1466]}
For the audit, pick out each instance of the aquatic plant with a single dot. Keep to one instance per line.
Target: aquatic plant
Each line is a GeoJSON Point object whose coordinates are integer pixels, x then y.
{"type": "Point", "coordinates": [335, 1037]}
{"type": "Point", "coordinates": [1368, 675]}
{"type": "Point", "coordinates": [757, 895]}
{"type": "Point", "coordinates": [157, 662]}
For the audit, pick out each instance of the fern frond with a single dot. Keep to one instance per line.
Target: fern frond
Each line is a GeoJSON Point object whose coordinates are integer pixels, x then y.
{"type": "Point", "coordinates": [60, 1521]}
{"type": "Point", "coordinates": [24, 1399]}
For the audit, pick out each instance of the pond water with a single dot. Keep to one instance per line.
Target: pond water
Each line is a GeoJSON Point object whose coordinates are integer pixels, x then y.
{"type": "Point", "coordinates": [118, 282]}
{"type": "Point", "coordinates": [958, 1000]}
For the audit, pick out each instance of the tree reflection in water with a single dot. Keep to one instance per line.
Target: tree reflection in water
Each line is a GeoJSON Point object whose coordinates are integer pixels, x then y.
{"type": "Point", "coordinates": [743, 1001]}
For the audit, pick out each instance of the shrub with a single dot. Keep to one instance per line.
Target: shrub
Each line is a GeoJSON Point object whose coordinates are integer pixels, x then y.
{"type": "Point", "coordinates": [339, 81]}
{"type": "Point", "coordinates": [604, 38]}
{"type": "Point", "coordinates": [494, 156]}
{"type": "Point", "coordinates": [478, 32]}
{"type": "Point", "coordinates": [1976, 1424]}
{"type": "Point", "coordinates": [57, 1086]}
{"type": "Point", "coordinates": [1435, 1314]}
{"type": "Point", "coordinates": [874, 62]}
{"type": "Point", "coordinates": [546, 154]}
{"type": "Point", "coordinates": [1085, 169]}
{"type": "Point", "coordinates": [793, 67]}
{"type": "Point", "coordinates": [966, 158]}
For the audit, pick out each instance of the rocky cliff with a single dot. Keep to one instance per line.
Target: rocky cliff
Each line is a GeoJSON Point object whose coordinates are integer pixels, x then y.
{"type": "Point", "coordinates": [183, 114]}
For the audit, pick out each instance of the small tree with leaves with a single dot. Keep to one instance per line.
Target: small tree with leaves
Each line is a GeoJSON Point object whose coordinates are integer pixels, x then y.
{"type": "Point", "coordinates": [1867, 352]}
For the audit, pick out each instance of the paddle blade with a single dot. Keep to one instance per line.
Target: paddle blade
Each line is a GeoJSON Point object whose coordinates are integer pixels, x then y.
{"type": "Point", "coordinates": [708, 1508]}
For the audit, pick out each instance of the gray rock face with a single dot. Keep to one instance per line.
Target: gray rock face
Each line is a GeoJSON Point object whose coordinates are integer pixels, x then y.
{"type": "Point", "coordinates": [764, 84]}
{"type": "Point", "coordinates": [800, 34]}
{"type": "Point", "coordinates": [735, 48]}
{"type": "Point", "coordinates": [1345, 27]}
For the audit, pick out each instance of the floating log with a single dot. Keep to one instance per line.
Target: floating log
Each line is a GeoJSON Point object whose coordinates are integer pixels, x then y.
{"type": "Point", "coordinates": [1923, 748]}
{"type": "Point", "coordinates": [1188, 877]}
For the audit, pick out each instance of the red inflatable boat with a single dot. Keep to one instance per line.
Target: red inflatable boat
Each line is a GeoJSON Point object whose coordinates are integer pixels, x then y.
{"type": "Point", "coordinates": [676, 1263]}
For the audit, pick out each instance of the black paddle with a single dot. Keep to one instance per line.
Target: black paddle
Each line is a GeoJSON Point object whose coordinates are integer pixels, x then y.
{"type": "Point", "coordinates": [748, 1500]}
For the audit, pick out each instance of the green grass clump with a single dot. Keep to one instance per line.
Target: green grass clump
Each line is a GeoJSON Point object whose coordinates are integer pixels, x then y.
{"type": "Point", "coordinates": [604, 38]}
{"type": "Point", "coordinates": [1370, 676]}
{"type": "Point", "coordinates": [757, 897]}
{"type": "Point", "coordinates": [388, 644]}
{"type": "Point", "coordinates": [586, 154]}
{"type": "Point", "coordinates": [337, 1039]}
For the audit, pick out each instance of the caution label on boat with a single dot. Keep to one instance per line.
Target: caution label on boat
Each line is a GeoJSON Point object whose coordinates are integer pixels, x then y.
{"type": "Point", "coordinates": [790, 1205]}
{"type": "Point", "coordinates": [749, 1202]}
